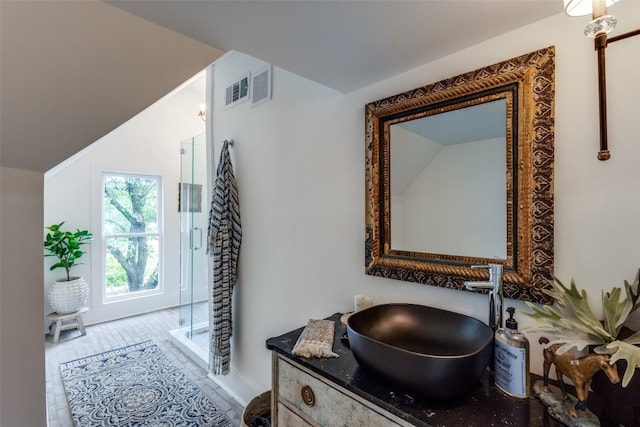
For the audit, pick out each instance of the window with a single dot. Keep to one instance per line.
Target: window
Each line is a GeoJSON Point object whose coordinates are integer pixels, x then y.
{"type": "Point", "coordinates": [131, 235]}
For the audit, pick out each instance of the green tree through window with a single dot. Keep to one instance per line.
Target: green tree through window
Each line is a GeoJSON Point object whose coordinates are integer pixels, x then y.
{"type": "Point", "coordinates": [131, 230]}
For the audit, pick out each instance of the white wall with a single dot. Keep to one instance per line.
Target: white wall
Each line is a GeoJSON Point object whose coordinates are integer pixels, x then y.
{"type": "Point", "coordinates": [149, 143]}
{"type": "Point", "coordinates": [22, 377]}
{"type": "Point", "coordinates": [300, 167]}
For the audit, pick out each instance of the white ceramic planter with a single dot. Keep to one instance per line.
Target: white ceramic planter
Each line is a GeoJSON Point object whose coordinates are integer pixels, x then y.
{"type": "Point", "coordinates": [68, 296]}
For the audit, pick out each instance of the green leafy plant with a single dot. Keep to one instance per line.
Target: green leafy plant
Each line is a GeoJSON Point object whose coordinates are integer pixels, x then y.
{"type": "Point", "coordinates": [65, 246]}
{"type": "Point", "coordinates": [571, 322]}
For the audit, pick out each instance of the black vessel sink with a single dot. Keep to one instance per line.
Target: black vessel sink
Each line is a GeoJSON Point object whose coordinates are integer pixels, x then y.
{"type": "Point", "coordinates": [430, 352]}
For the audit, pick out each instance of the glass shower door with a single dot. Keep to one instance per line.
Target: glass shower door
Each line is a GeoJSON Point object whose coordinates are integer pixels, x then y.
{"type": "Point", "coordinates": [194, 305]}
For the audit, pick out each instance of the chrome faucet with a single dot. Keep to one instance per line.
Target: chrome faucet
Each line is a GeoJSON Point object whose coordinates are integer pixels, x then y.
{"type": "Point", "coordinates": [494, 285]}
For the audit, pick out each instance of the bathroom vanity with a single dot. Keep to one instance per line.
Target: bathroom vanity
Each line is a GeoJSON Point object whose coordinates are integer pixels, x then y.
{"type": "Point", "coordinates": [337, 392]}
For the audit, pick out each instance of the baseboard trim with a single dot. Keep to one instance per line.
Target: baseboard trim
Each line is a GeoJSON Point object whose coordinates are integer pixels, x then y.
{"type": "Point", "coordinates": [237, 386]}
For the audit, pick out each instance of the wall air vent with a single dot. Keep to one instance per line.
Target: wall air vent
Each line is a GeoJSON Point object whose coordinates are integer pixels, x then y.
{"type": "Point", "coordinates": [237, 92]}
{"type": "Point", "coordinates": [261, 86]}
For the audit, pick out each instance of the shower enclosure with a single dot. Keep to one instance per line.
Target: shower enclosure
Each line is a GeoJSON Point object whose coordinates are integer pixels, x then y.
{"type": "Point", "coordinates": [192, 335]}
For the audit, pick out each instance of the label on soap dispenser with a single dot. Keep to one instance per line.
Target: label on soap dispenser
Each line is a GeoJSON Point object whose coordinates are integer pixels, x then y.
{"type": "Point", "coordinates": [511, 369]}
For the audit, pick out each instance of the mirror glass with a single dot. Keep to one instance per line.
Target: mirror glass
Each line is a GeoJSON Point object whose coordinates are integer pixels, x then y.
{"type": "Point", "coordinates": [440, 159]}
{"type": "Point", "coordinates": [459, 173]}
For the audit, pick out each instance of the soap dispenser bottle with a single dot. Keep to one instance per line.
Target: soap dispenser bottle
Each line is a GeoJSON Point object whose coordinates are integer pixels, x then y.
{"type": "Point", "coordinates": [512, 359]}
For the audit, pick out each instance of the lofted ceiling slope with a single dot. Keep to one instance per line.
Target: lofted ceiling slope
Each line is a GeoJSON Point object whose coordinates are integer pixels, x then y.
{"type": "Point", "coordinates": [72, 71]}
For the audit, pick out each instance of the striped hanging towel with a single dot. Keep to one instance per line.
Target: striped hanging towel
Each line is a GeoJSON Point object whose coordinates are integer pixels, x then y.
{"type": "Point", "coordinates": [224, 237]}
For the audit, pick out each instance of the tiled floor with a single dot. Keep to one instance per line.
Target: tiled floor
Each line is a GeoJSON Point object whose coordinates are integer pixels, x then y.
{"type": "Point", "coordinates": [120, 333]}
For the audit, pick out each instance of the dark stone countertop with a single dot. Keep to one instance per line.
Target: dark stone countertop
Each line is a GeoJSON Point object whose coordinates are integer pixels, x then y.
{"type": "Point", "coordinates": [485, 407]}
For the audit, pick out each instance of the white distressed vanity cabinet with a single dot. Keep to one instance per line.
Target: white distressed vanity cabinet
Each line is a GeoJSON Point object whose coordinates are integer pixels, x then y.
{"type": "Point", "coordinates": [301, 397]}
{"type": "Point", "coordinates": [336, 392]}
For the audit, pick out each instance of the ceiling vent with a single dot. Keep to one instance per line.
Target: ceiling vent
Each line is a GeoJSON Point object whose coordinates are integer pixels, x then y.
{"type": "Point", "coordinates": [237, 92]}
{"type": "Point", "coordinates": [261, 86]}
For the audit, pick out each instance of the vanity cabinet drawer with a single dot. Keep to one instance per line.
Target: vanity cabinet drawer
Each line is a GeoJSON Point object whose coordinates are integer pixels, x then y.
{"type": "Point", "coordinates": [324, 404]}
{"type": "Point", "coordinates": [286, 417]}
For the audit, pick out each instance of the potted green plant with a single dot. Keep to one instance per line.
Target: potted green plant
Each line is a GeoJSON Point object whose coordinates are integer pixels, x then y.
{"type": "Point", "coordinates": [571, 323]}
{"type": "Point", "coordinates": [69, 294]}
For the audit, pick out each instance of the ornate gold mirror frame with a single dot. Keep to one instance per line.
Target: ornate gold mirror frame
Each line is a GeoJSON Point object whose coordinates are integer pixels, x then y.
{"type": "Point", "coordinates": [527, 84]}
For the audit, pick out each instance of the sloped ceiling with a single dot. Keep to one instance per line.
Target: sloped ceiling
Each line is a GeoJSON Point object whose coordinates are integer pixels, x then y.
{"type": "Point", "coordinates": [71, 71]}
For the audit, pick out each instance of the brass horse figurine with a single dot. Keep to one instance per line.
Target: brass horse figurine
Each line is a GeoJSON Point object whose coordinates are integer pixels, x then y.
{"type": "Point", "coordinates": [579, 369]}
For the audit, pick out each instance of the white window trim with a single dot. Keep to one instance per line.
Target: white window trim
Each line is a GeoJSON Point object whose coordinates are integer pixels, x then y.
{"type": "Point", "coordinates": [107, 300]}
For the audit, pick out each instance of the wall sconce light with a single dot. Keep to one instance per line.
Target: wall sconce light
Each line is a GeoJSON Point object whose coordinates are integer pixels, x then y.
{"type": "Point", "coordinates": [203, 112]}
{"type": "Point", "coordinates": [598, 28]}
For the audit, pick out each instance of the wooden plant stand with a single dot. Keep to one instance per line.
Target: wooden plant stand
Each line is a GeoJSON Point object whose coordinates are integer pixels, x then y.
{"type": "Point", "coordinates": [59, 324]}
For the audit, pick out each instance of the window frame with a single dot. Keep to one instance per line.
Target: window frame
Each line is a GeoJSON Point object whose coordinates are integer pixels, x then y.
{"type": "Point", "coordinates": [159, 234]}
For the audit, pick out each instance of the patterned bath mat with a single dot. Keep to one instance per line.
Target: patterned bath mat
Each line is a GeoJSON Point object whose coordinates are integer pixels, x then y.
{"type": "Point", "coordinates": [135, 386]}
